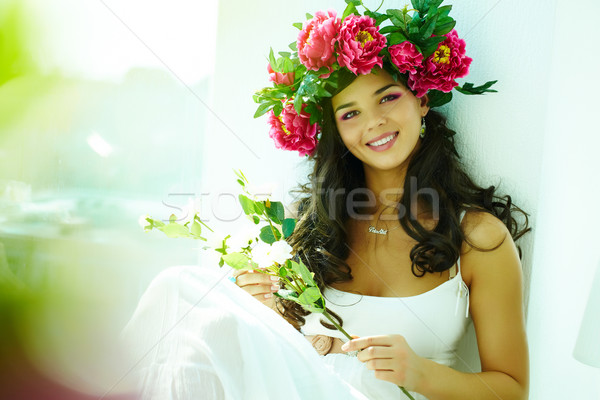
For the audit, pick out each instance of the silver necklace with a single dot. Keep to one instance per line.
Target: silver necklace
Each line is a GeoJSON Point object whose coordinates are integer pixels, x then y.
{"type": "Point", "coordinates": [381, 231]}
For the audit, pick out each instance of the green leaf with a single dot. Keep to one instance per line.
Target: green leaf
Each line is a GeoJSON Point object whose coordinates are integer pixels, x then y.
{"type": "Point", "coordinates": [272, 60]}
{"type": "Point", "coordinates": [430, 45]}
{"type": "Point", "coordinates": [378, 17]}
{"type": "Point", "coordinates": [294, 45]}
{"type": "Point", "coordinates": [196, 229]}
{"type": "Point", "coordinates": [298, 25]}
{"type": "Point", "coordinates": [309, 296]}
{"type": "Point", "coordinates": [241, 182]}
{"type": "Point", "coordinates": [237, 260]}
{"type": "Point", "coordinates": [287, 226]}
{"type": "Point", "coordinates": [302, 270]}
{"type": "Point", "coordinates": [259, 207]}
{"type": "Point", "coordinates": [283, 271]}
{"type": "Point", "coordinates": [247, 204]}
{"type": "Point", "coordinates": [444, 11]}
{"type": "Point", "coordinates": [263, 109]}
{"type": "Point", "coordinates": [396, 16]}
{"type": "Point", "coordinates": [276, 212]}
{"type": "Point", "coordinates": [469, 89]}
{"type": "Point", "coordinates": [388, 29]}
{"type": "Point", "coordinates": [277, 109]}
{"type": "Point", "coordinates": [174, 230]}
{"type": "Point", "coordinates": [172, 218]}
{"type": "Point", "coordinates": [428, 27]}
{"type": "Point", "coordinates": [350, 9]}
{"type": "Point", "coordinates": [255, 219]}
{"type": "Point", "coordinates": [438, 98]}
{"type": "Point", "coordinates": [308, 16]}
{"type": "Point", "coordinates": [442, 28]}
{"type": "Point", "coordinates": [285, 53]}
{"type": "Point", "coordinates": [396, 38]}
{"type": "Point", "coordinates": [298, 103]}
{"type": "Point", "coordinates": [266, 234]}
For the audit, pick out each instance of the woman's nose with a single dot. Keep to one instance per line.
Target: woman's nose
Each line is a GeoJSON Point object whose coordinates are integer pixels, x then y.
{"type": "Point", "coordinates": [376, 120]}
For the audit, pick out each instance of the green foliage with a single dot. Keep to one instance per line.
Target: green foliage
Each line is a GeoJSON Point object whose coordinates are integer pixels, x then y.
{"type": "Point", "coordinates": [275, 211]}
{"type": "Point", "coordinates": [238, 261]}
{"type": "Point", "coordinates": [269, 234]}
{"type": "Point", "coordinates": [288, 226]}
{"type": "Point", "coordinates": [438, 98]}
{"type": "Point", "coordinates": [468, 88]}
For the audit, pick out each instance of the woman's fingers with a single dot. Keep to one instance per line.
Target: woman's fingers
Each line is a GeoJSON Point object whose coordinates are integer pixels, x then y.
{"type": "Point", "coordinates": [260, 285]}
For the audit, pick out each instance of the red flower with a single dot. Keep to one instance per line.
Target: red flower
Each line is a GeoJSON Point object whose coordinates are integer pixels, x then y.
{"type": "Point", "coordinates": [279, 77]}
{"type": "Point", "coordinates": [359, 44]}
{"type": "Point", "coordinates": [316, 40]}
{"type": "Point", "coordinates": [440, 70]}
{"type": "Point", "coordinates": [293, 131]}
{"type": "Point", "coordinates": [406, 57]}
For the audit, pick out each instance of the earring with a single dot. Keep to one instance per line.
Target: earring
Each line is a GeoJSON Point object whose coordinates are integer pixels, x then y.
{"type": "Point", "coordinates": [423, 128]}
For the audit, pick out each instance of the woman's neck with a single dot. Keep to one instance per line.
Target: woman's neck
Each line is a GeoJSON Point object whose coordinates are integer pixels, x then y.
{"type": "Point", "coordinates": [387, 186]}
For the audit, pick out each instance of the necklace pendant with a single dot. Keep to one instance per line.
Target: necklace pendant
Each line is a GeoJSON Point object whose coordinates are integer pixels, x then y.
{"type": "Point", "coordinates": [381, 231]}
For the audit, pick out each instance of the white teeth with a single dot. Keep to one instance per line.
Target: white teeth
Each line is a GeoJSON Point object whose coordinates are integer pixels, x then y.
{"type": "Point", "coordinates": [383, 141]}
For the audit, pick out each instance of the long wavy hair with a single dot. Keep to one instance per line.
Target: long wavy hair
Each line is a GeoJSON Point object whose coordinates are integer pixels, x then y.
{"type": "Point", "coordinates": [320, 238]}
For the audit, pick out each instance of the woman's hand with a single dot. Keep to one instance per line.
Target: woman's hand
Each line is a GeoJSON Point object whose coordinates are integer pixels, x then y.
{"type": "Point", "coordinates": [260, 285]}
{"type": "Point", "coordinates": [391, 358]}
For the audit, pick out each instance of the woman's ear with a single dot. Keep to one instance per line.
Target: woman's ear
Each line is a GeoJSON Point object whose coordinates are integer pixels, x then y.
{"type": "Point", "coordinates": [424, 104]}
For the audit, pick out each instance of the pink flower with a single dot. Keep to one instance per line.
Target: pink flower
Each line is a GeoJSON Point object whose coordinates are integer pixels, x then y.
{"type": "Point", "coordinates": [293, 131]}
{"type": "Point", "coordinates": [279, 77]}
{"type": "Point", "coordinates": [316, 40]}
{"type": "Point", "coordinates": [406, 57]}
{"type": "Point", "coordinates": [359, 44]}
{"type": "Point", "coordinates": [440, 70]}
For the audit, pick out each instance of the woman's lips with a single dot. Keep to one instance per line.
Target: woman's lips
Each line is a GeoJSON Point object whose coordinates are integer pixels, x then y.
{"type": "Point", "coordinates": [386, 138]}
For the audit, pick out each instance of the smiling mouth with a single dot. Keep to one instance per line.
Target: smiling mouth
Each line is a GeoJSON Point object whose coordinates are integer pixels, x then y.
{"type": "Point", "coordinates": [383, 140]}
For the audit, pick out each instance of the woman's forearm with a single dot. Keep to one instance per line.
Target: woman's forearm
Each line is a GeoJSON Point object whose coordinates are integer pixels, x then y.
{"type": "Point", "coordinates": [444, 383]}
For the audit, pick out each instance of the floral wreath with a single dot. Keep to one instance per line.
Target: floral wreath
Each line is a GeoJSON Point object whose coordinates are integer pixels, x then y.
{"type": "Point", "coordinates": [420, 44]}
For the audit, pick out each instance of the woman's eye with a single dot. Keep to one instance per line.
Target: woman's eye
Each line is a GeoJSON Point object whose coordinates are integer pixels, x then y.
{"type": "Point", "coordinates": [349, 115]}
{"type": "Point", "coordinates": [389, 97]}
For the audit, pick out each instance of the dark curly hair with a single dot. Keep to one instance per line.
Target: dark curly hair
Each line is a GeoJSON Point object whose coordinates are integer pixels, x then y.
{"type": "Point", "coordinates": [320, 237]}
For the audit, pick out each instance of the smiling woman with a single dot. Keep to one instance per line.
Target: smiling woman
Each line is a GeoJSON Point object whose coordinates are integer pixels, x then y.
{"type": "Point", "coordinates": [407, 249]}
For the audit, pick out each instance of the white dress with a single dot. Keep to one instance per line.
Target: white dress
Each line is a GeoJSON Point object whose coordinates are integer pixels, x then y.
{"type": "Point", "coordinates": [196, 335]}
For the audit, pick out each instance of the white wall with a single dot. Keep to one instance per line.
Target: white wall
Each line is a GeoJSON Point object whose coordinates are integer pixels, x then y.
{"type": "Point", "coordinates": [535, 138]}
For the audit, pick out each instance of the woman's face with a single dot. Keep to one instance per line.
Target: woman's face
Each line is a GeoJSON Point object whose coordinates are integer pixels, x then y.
{"type": "Point", "coordinates": [379, 120]}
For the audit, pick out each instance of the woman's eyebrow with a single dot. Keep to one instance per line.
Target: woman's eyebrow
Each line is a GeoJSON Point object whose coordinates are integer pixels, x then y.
{"type": "Point", "coordinates": [378, 91]}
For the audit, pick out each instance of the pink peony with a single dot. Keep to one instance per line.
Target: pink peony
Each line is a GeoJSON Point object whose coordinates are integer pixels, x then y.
{"type": "Point", "coordinates": [279, 77]}
{"type": "Point", "coordinates": [441, 68]}
{"type": "Point", "coordinates": [406, 57]}
{"type": "Point", "coordinates": [294, 132]}
{"type": "Point", "coordinates": [359, 44]}
{"type": "Point", "coordinates": [316, 40]}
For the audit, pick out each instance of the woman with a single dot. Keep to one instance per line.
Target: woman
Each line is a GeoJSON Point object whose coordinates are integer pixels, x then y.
{"type": "Point", "coordinates": [373, 138]}
{"type": "Point", "coordinates": [405, 247]}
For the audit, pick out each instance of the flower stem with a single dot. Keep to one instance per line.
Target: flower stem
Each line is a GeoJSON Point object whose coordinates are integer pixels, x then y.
{"type": "Point", "coordinates": [339, 328]}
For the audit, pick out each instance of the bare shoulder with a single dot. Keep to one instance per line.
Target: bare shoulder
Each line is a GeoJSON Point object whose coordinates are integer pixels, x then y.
{"type": "Point", "coordinates": [483, 230]}
{"type": "Point", "coordinates": [488, 245]}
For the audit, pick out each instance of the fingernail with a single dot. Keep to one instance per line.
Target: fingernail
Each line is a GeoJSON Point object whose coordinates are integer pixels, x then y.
{"type": "Point", "coordinates": [275, 278]}
{"type": "Point", "coordinates": [268, 295]}
{"type": "Point", "coordinates": [275, 288]}
{"type": "Point", "coordinates": [345, 346]}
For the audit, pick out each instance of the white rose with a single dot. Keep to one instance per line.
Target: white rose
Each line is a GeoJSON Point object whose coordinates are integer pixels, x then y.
{"type": "Point", "coordinates": [281, 251]}
{"type": "Point", "coordinates": [243, 237]}
{"type": "Point", "coordinates": [265, 255]}
{"type": "Point", "coordinates": [261, 255]}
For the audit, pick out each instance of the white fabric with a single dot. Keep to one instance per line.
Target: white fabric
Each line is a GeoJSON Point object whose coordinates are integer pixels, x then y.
{"type": "Point", "coordinates": [198, 336]}
{"type": "Point", "coordinates": [432, 322]}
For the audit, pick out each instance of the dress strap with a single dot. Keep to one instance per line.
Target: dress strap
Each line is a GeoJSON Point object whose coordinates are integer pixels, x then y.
{"type": "Point", "coordinates": [463, 289]}
{"type": "Point", "coordinates": [453, 268]}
